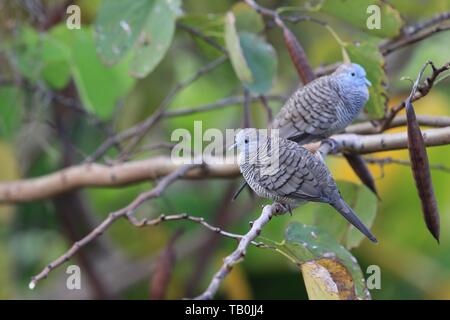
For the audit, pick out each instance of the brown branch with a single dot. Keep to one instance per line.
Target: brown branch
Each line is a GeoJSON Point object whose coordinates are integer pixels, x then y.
{"type": "Point", "coordinates": [387, 141]}
{"type": "Point", "coordinates": [126, 212]}
{"type": "Point", "coordinates": [296, 51]}
{"type": "Point", "coordinates": [163, 269]}
{"type": "Point", "coordinates": [97, 175]}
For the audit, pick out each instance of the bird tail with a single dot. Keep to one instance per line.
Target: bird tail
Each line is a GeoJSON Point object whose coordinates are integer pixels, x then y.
{"type": "Point", "coordinates": [348, 213]}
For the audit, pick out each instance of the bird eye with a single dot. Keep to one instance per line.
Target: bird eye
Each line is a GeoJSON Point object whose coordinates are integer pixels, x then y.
{"type": "Point", "coordinates": [353, 74]}
{"type": "Point", "coordinates": [246, 140]}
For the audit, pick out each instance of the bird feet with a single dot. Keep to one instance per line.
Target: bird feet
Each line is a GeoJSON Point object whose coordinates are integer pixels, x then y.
{"type": "Point", "coordinates": [327, 146]}
{"type": "Point", "coordinates": [282, 208]}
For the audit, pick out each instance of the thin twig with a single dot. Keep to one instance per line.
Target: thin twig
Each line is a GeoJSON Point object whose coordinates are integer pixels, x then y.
{"type": "Point", "coordinates": [419, 26]}
{"type": "Point", "coordinates": [422, 91]}
{"type": "Point", "coordinates": [265, 103]}
{"type": "Point", "coordinates": [246, 106]}
{"type": "Point", "coordinates": [202, 36]}
{"type": "Point", "coordinates": [389, 160]}
{"type": "Point", "coordinates": [126, 212]}
{"type": "Point", "coordinates": [238, 255]}
{"type": "Point", "coordinates": [139, 130]}
{"type": "Point", "coordinates": [142, 223]}
{"type": "Point", "coordinates": [416, 32]}
{"type": "Point", "coordinates": [225, 102]}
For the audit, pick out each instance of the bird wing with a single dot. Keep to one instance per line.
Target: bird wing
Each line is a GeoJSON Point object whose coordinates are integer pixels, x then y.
{"type": "Point", "coordinates": [310, 112]}
{"type": "Point", "coordinates": [300, 175]}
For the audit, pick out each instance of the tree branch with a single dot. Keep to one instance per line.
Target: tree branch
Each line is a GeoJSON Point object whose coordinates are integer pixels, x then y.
{"type": "Point", "coordinates": [416, 32]}
{"type": "Point", "coordinates": [238, 255]}
{"type": "Point", "coordinates": [421, 92]}
{"type": "Point", "coordinates": [127, 212]}
{"type": "Point", "coordinates": [368, 127]}
{"type": "Point", "coordinates": [98, 175]}
{"type": "Point", "coordinates": [220, 104]}
{"type": "Point", "coordinates": [389, 160]}
{"type": "Point", "coordinates": [138, 131]}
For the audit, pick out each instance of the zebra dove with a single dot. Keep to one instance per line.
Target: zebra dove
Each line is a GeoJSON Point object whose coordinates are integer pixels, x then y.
{"type": "Point", "coordinates": [289, 174]}
{"type": "Point", "coordinates": [324, 106]}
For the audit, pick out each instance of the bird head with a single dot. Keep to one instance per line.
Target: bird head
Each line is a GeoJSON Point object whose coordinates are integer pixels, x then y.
{"type": "Point", "coordinates": [247, 139]}
{"type": "Point", "coordinates": [353, 74]}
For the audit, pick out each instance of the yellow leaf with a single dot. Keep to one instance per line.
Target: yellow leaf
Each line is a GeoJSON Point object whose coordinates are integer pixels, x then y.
{"type": "Point", "coordinates": [8, 171]}
{"type": "Point", "coordinates": [327, 279]}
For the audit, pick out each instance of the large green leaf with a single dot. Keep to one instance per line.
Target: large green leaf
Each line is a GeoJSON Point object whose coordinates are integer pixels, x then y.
{"type": "Point", "coordinates": [261, 59]}
{"type": "Point", "coordinates": [391, 21]}
{"type": "Point", "coordinates": [247, 19]}
{"type": "Point", "coordinates": [233, 44]}
{"type": "Point", "coordinates": [368, 55]}
{"type": "Point", "coordinates": [362, 201]}
{"type": "Point", "coordinates": [253, 59]}
{"type": "Point", "coordinates": [99, 86]}
{"type": "Point", "coordinates": [155, 38]}
{"type": "Point", "coordinates": [56, 65]}
{"type": "Point", "coordinates": [10, 111]}
{"type": "Point", "coordinates": [329, 270]}
{"type": "Point", "coordinates": [144, 26]}
{"type": "Point", "coordinates": [26, 53]}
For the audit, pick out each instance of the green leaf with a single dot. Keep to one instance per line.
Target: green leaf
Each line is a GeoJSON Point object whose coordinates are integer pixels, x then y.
{"type": "Point", "coordinates": [233, 44]}
{"type": "Point", "coordinates": [362, 201]}
{"type": "Point", "coordinates": [26, 53]}
{"type": "Point", "coordinates": [368, 55]}
{"type": "Point", "coordinates": [145, 27]}
{"type": "Point", "coordinates": [40, 56]}
{"type": "Point", "coordinates": [253, 59]}
{"type": "Point", "coordinates": [391, 21]}
{"type": "Point", "coordinates": [314, 249]}
{"type": "Point", "coordinates": [261, 59]}
{"type": "Point", "coordinates": [247, 19]}
{"type": "Point", "coordinates": [56, 63]}
{"type": "Point", "coordinates": [212, 26]}
{"type": "Point", "coordinates": [154, 40]}
{"type": "Point", "coordinates": [99, 86]}
{"type": "Point", "coordinates": [118, 26]}
{"type": "Point", "coordinates": [10, 111]}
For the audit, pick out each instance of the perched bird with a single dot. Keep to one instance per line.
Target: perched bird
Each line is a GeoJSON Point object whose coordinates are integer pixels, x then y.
{"type": "Point", "coordinates": [324, 106]}
{"type": "Point", "coordinates": [289, 174]}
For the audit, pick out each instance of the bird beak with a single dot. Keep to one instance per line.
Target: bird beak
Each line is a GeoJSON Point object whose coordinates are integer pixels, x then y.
{"type": "Point", "coordinates": [232, 146]}
{"type": "Point", "coordinates": [368, 83]}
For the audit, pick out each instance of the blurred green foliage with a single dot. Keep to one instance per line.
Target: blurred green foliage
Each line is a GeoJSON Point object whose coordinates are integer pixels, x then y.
{"type": "Point", "coordinates": [51, 60]}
